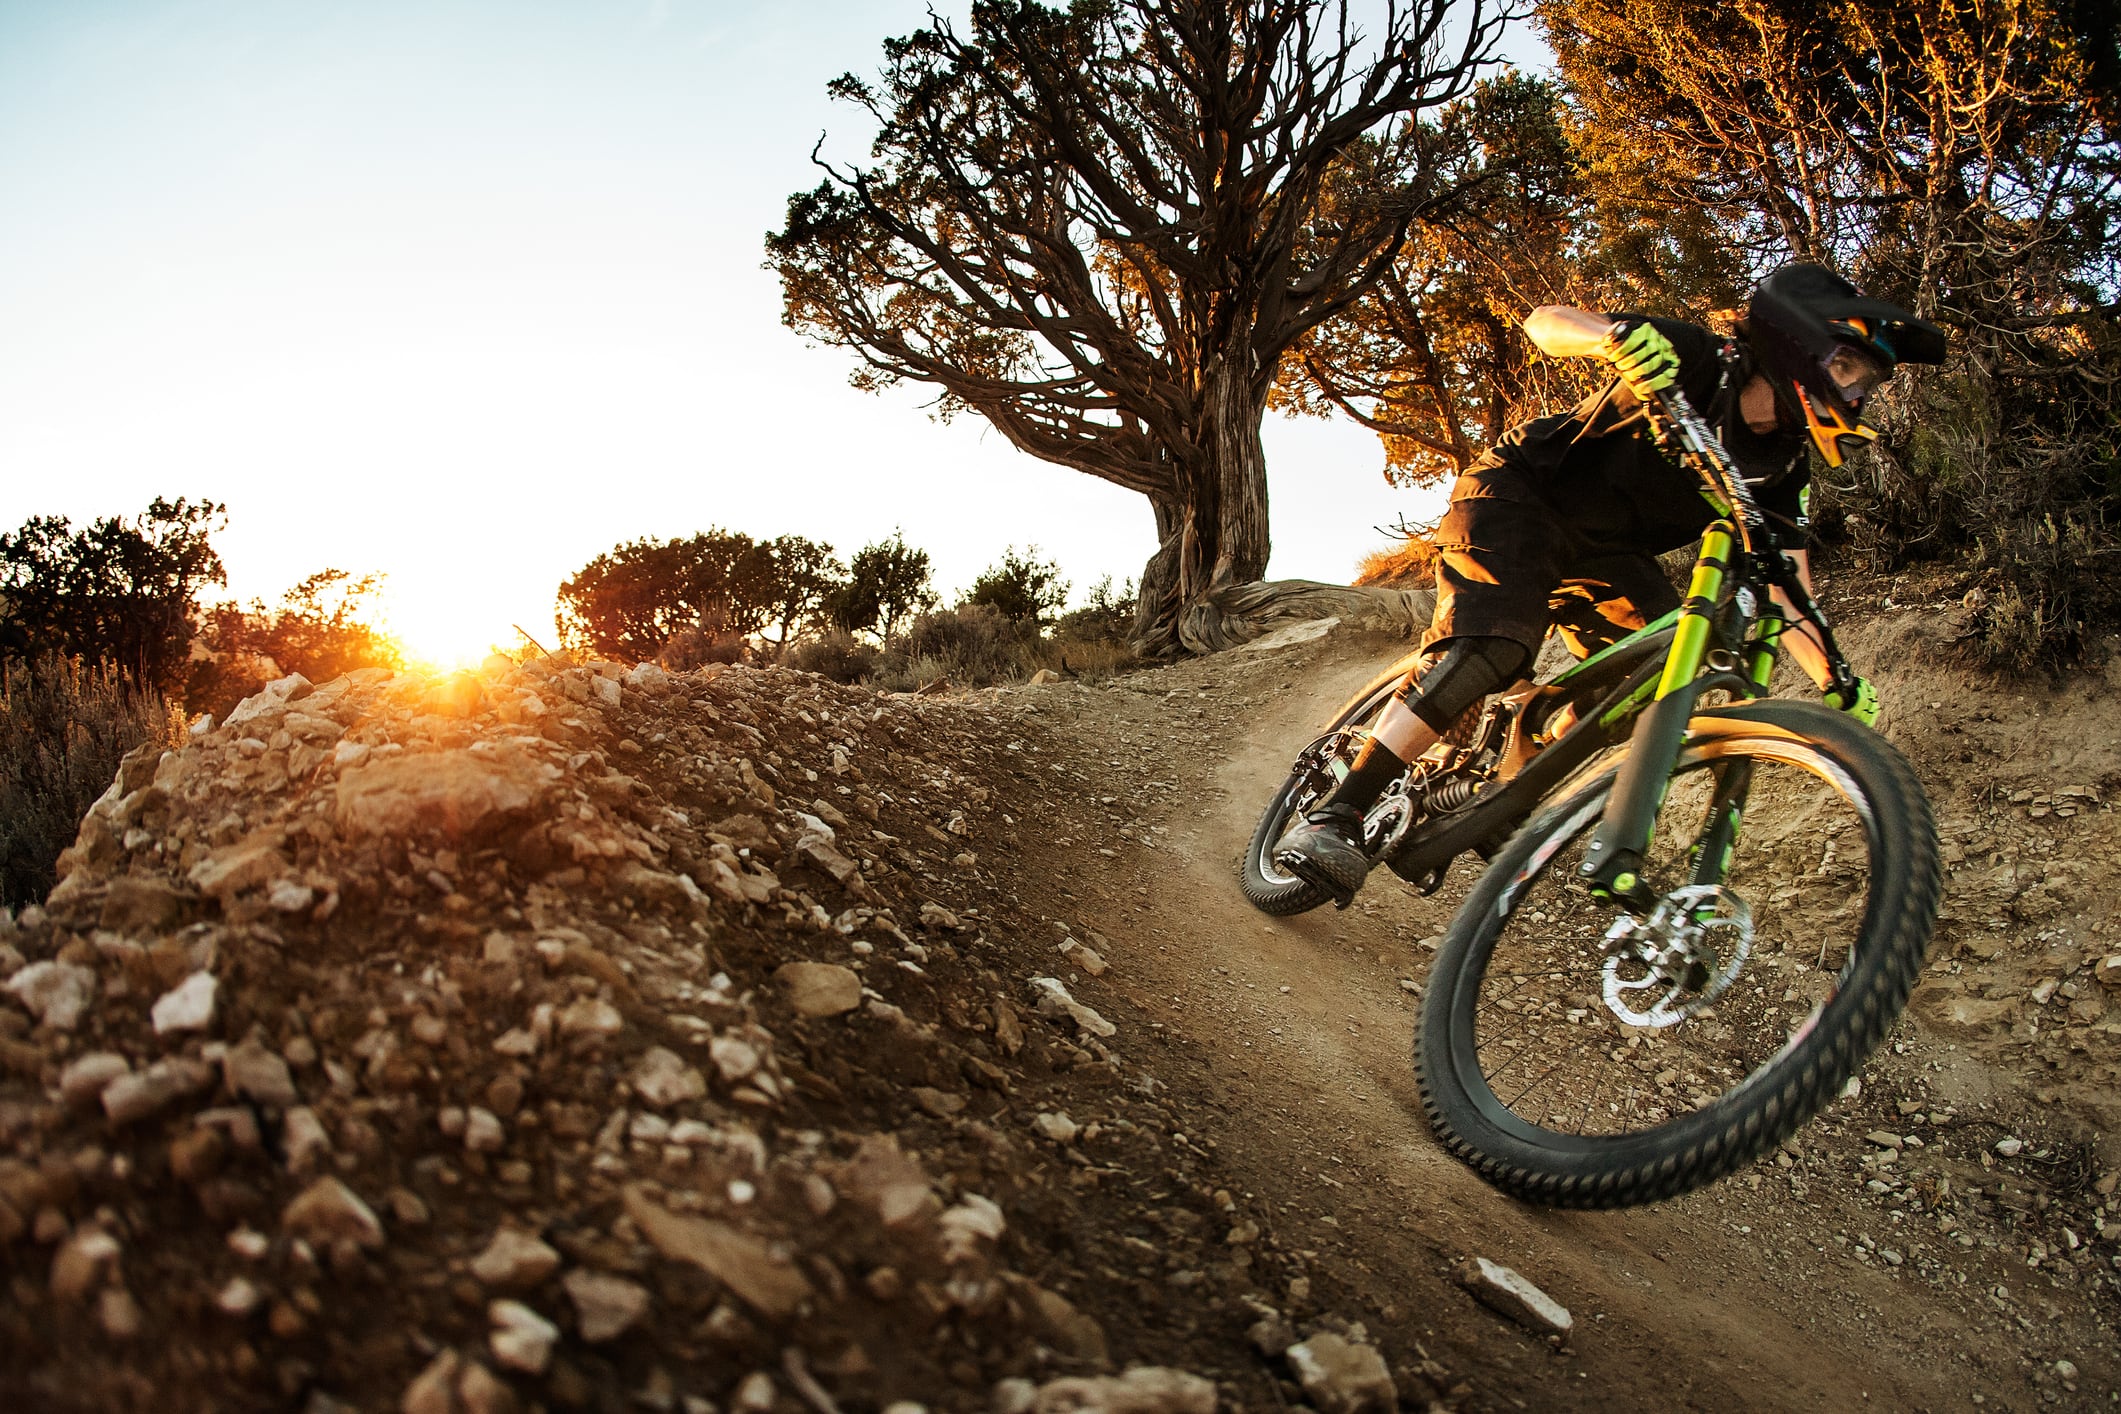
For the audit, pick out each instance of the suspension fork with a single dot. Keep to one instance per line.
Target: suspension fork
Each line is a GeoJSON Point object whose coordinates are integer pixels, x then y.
{"type": "Point", "coordinates": [1613, 861]}
{"type": "Point", "coordinates": [1719, 832]}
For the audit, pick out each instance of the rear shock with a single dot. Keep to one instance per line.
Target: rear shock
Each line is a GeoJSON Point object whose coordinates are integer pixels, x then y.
{"type": "Point", "coordinates": [1454, 794]}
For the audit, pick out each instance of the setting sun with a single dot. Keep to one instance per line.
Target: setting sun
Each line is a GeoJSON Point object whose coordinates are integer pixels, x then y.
{"type": "Point", "coordinates": [446, 632]}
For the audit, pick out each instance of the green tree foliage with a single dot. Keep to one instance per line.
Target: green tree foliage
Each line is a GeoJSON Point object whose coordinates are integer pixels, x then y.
{"type": "Point", "coordinates": [1103, 617]}
{"type": "Point", "coordinates": [1099, 227]}
{"type": "Point", "coordinates": [885, 582]}
{"type": "Point", "coordinates": [1960, 157]}
{"type": "Point", "coordinates": [64, 727]}
{"type": "Point", "coordinates": [116, 591]}
{"type": "Point", "coordinates": [628, 602]}
{"type": "Point", "coordinates": [1433, 358]}
{"type": "Point", "coordinates": [805, 577]}
{"type": "Point", "coordinates": [1021, 587]}
{"type": "Point", "coordinates": [699, 598]}
{"type": "Point", "coordinates": [320, 628]}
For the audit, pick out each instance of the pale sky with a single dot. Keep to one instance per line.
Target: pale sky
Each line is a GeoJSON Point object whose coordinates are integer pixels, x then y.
{"type": "Point", "coordinates": [469, 291]}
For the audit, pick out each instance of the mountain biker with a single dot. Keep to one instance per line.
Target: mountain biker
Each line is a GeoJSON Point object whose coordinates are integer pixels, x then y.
{"type": "Point", "coordinates": [1560, 521]}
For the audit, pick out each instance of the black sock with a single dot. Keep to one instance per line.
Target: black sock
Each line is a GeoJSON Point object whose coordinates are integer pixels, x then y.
{"type": "Point", "coordinates": [1375, 768]}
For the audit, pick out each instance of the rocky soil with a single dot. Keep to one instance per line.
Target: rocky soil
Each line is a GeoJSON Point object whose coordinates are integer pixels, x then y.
{"type": "Point", "coordinates": [572, 1038]}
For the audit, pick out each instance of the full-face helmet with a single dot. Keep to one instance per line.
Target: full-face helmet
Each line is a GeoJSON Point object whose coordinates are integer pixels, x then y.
{"type": "Point", "coordinates": [1825, 347]}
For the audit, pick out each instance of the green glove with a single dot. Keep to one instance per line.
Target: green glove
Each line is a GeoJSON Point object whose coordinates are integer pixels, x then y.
{"type": "Point", "coordinates": [1644, 359]}
{"type": "Point", "coordinates": [1859, 699]}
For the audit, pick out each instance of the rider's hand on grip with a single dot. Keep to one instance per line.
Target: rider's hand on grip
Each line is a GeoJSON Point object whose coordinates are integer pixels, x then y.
{"type": "Point", "coordinates": [1857, 698]}
{"type": "Point", "coordinates": [1645, 359]}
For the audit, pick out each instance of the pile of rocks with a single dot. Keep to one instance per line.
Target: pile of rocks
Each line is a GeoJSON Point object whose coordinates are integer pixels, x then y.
{"type": "Point", "coordinates": [557, 1034]}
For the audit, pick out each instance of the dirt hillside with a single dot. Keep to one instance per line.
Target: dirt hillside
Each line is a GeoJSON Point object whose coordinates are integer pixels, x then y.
{"type": "Point", "coordinates": [575, 1039]}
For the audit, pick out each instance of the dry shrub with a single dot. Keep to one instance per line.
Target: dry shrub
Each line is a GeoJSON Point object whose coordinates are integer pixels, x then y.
{"type": "Point", "coordinates": [837, 655]}
{"type": "Point", "coordinates": [2017, 480]}
{"type": "Point", "coordinates": [2059, 579]}
{"type": "Point", "coordinates": [1411, 564]}
{"type": "Point", "coordinates": [973, 645]}
{"type": "Point", "coordinates": [1090, 658]}
{"type": "Point", "coordinates": [63, 729]}
{"type": "Point", "coordinates": [696, 647]}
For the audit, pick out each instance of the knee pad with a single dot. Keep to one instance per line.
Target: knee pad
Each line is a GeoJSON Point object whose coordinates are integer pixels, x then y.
{"type": "Point", "coordinates": [1459, 674]}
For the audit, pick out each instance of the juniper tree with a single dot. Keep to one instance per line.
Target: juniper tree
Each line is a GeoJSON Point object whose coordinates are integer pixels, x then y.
{"type": "Point", "coordinates": [1099, 227]}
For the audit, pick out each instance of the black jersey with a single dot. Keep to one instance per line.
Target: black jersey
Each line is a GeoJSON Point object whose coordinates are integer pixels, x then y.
{"type": "Point", "coordinates": [1597, 466]}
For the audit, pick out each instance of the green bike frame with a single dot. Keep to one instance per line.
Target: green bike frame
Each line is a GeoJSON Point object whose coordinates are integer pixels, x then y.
{"type": "Point", "coordinates": [1643, 690]}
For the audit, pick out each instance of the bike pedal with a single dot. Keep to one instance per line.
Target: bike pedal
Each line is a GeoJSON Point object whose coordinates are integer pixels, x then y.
{"type": "Point", "coordinates": [1303, 869]}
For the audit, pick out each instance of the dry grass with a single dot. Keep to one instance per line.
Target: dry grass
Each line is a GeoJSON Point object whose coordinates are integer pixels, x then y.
{"type": "Point", "coordinates": [1411, 564]}
{"type": "Point", "coordinates": [63, 729]}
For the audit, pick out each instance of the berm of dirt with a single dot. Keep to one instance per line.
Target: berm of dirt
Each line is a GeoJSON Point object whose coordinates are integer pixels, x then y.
{"type": "Point", "coordinates": [573, 1037]}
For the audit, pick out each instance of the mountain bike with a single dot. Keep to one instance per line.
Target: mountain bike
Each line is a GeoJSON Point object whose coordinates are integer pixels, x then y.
{"type": "Point", "coordinates": [1703, 907]}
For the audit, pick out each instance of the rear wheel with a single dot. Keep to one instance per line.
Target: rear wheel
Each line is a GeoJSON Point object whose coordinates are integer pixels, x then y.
{"type": "Point", "coordinates": [1579, 1057]}
{"type": "Point", "coordinates": [1269, 887]}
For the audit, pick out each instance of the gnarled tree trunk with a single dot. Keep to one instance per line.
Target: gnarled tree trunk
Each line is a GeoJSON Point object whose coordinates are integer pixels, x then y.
{"type": "Point", "coordinates": [1211, 529]}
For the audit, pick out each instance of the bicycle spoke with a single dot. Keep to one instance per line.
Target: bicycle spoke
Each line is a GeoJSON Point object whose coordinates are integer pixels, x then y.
{"type": "Point", "coordinates": [1549, 996]}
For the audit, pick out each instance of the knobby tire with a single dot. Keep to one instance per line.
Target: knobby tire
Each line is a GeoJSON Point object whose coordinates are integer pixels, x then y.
{"type": "Point", "coordinates": [1690, 1149]}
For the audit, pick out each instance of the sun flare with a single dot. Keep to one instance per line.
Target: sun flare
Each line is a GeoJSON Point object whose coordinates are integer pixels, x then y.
{"type": "Point", "coordinates": [445, 635]}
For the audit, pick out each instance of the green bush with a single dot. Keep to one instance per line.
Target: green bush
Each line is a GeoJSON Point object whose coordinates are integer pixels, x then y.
{"type": "Point", "coordinates": [63, 729]}
{"type": "Point", "coordinates": [1107, 615]}
{"type": "Point", "coordinates": [1021, 586]}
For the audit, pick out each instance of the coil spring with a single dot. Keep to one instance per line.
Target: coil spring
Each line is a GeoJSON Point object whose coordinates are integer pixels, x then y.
{"type": "Point", "coordinates": [1454, 794]}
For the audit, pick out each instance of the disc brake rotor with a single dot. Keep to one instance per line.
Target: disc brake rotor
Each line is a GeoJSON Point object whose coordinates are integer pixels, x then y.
{"type": "Point", "coordinates": [1663, 969]}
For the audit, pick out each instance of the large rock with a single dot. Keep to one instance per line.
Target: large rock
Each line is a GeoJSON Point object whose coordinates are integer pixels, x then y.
{"type": "Point", "coordinates": [819, 988]}
{"type": "Point", "coordinates": [887, 1181]}
{"type": "Point", "coordinates": [244, 865]}
{"type": "Point", "coordinates": [1068, 1329]}
{"type": "Point", "coordinates": [522, 1339]}
{"type": "Point", "coordinates": [253, 1071]}
{"type": "Point", "coordinates": [454, 793]}
{"type": "Point", "coordinates": [85, 1078]}
{"type": "Point", "coordinates": [270, 699]}
{"type": "Point", "coordinates": [148, 1092]}
{"type": "Point", "coordinates": [759, 1277]}
{"type": "Point", "coordinates": [328, 1212]}
{"type": "Point", "coordinates": [137, 905]}
{"type": "Point", "coordinates": [1146, 1389]}
{"type": "Point", "coordinates": [56, 993]}
{"type": "Point", "coordinates": [605, 1306]}
{"type": "Point", "coordinates": [1054, 1001]}
{"type": "Point", "coordinates": [82, 1263]}
{"type": "Point", "coordinates": [1499, 1288]}
{"type": "Point", "coordinates": [189, 1006]}
{"type": "Point", "coordinates": [514, 1261]}
{"type": "Point", "coordinates": [1343, 1376]}
{"type": "Point", "coordinates": [662, 1079]}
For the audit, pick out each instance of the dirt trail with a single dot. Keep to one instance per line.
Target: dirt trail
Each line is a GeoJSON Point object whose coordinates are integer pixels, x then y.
{"type": "Point", "coordinates": [583, 1038]}
{"type": "Point", "coordinates": [1298, 1035]}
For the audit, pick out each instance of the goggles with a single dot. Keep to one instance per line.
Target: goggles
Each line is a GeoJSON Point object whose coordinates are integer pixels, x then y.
{"type": "Point", "coordinates": [1854, 374]}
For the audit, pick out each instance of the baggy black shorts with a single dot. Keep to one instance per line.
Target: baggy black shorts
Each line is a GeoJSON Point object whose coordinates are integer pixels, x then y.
{"type": "Point", "coordinates": [1508, 566]}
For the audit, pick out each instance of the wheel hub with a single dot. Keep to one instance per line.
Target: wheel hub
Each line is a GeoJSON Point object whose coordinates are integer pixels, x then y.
{"type": "Point", "coordinates": [1661, 970]}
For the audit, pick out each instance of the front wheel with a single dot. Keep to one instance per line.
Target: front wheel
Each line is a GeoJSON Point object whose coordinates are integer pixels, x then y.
{"type": "Point", "coordinates": [1578, 1056]}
